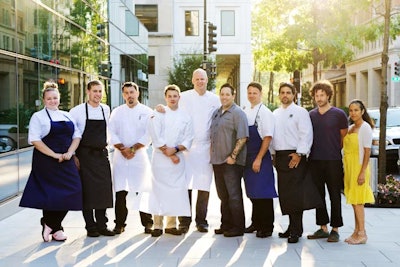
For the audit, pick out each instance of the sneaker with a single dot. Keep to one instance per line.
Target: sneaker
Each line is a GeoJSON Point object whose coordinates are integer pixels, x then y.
{"type": "Point", "coordinates": [333, 236]}
{"type": "Point", "coordinates": [46, 231]}
{"type": "Point", "coordinates": [318, 234]}
{"type": "Point", "coordinates": [59, 236]}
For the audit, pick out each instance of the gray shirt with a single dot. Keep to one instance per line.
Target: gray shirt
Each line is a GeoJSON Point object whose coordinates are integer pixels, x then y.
{"type": "Point", "coordinates": [226, 129]}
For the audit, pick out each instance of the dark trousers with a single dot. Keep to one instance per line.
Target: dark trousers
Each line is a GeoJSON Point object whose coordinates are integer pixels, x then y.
{"type": "Point", "coordinates": [329, 172]}
{"type": "Point", "coordinates": [229, 189]}
{"type": "Point", "coordinates": [121, 211]}
{"type": "Point", "coordinates": [95, 219]}
{"type": "Point", "coordinates": [54, 218]}
{"type": "Point", "coordinates": [263, 217]}
{"type": "Point", "coordinates": [296, 223]}
{"type": "Point", "coordinates": [201, 210]}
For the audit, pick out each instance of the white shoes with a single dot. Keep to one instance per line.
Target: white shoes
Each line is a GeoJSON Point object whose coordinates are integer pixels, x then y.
{"type": "Point", "coordinates": [59, 236]}
{"type": "Point", "coordinates": [46, 231]}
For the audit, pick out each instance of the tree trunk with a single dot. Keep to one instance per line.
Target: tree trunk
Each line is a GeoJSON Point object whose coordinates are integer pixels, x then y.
{"type": "Point", "coordinates": [271, 88]}
{"type": "Point", "coordinates": [384, 98]}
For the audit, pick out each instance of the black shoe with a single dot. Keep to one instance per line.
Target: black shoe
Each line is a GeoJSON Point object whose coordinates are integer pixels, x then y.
{"type": "Point", "coordinates": [93, 234]}
{"type": "Point", "coordinates": [250, 229]}
{"type": "Point", "coordinates": [202, 228]}
{"type": "Point", "coordinates": [184, 229]}
{"type": "Point", "coordinates": [263, 234]}
{"type": "Point", "coordinates": [233, 233]}
{"type": "Point", "coordinates": [147, 230]}
{"type": "Point", "coordinates": [293, 239]}
{"type": "Point", "coordinates": [173, 231]}
{"type": "Point", "coordinates": [118, 229]}
{"type": "Point", "coordinates": [156, 232]}
{"type": "Point", "coordinates": [285, 234]}
{"type": "Point", "coordinates": [219, 231]}
{"type": "Point", "coordinates": [106, 232]}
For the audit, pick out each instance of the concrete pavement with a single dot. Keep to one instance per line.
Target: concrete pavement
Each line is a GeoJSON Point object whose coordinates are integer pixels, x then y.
{"type": "Point", "coordinates": [22, 245]}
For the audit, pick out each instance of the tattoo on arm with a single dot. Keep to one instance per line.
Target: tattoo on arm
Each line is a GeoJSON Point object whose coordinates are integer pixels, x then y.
{"type": "Point", "coordinates": [238, 147]}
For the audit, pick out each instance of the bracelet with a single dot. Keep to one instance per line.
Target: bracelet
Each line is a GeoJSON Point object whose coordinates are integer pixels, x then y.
{"type": "Point", "coordinates": [177, 149]}
{"type": "Point", "coordinates": [132, 149]}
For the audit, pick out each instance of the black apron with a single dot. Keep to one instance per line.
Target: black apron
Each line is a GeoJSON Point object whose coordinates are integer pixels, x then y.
{"type": "Point", "coordinates": [95, 168]}
{"type": "Point", "coordinates": [53, 185]}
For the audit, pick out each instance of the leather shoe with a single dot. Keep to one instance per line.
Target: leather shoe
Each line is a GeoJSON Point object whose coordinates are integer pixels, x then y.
{"type": "Point", "coordinates": [106, 232]}
{"type": "Point", "coordinates": [202, 228]}
{"type": "Point", "coordinates": [147, 230]}
{"type": "Point", "coordinates": [93, 234]}
{"type": "Point", "coordinates": [263, 234]}
{"type": "Point", "coordinates": [293, 239]}
{"type": "Point", "coordinates": [156, 232]}
{"type": "Point", "coordinates": [250, 229]}
{"type": "Point", "coordinates": [232, 233]}
{"type": "Point", "coordinates": [184, 229]}
{"type": "Point", "coordinates": [285, 234]}
{"type": "Point", "coordinates": [219, 231]}
{"type": "Point", "coordinates": [173, 231]}
{"type": "Point", "coordinates": [118, 229]}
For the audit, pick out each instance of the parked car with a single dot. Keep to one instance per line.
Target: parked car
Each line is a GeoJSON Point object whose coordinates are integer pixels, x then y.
{"type": "Point", "coordinates": [392, 135]}
{"type": "Point", "coordinates": [9, 137]}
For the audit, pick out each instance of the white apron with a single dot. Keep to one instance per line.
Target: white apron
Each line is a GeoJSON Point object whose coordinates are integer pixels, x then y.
{"type": "Point", "coordinates": [198, 168]}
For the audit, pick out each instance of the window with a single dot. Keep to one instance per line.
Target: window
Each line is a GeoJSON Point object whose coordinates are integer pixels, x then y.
{"type": "Point", "coordinates": [191, 23]}
{"type": "Point", "coordinates": [152, 64]}
{"type": "Point", "coordinates": [148, 15]}
{"type": "Point", "coordinates": [131, 24]}
{"type": "Point", "coordinates": [228, 23]}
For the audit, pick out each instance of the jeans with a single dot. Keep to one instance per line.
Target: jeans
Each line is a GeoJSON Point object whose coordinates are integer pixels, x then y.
{"type": "Point", "coordinates": [229, 189]}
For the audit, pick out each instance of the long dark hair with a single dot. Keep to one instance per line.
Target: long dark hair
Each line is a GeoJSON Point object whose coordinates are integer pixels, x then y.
{"type": "Point", "coordinates": [365, 115]}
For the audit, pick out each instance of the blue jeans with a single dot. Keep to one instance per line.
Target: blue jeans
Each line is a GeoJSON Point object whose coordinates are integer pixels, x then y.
{"type": "Point", "coordinates": [229, 189]}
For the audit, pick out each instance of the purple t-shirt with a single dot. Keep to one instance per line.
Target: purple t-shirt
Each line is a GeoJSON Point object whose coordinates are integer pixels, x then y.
{"type": "Point", "coordinates": [327, 139]}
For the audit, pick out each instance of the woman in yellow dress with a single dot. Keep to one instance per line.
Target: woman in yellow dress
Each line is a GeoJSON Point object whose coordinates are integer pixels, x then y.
{"type": "Point", "coordinates": [356, 150]}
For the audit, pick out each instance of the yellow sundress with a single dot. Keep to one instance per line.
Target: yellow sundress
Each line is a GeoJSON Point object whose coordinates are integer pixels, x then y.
{"type": "Point", "coordinates": [355, 194]}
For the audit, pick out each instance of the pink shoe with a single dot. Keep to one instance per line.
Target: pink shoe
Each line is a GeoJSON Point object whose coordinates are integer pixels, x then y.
{"type": "Point", "coordinates": [59, 236]}
{"type": "Point", "coordinates": [46, 231]}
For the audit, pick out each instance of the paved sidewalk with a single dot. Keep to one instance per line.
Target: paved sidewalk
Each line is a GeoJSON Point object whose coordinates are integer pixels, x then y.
{"type": "Point", "coordinates": [22, 245]}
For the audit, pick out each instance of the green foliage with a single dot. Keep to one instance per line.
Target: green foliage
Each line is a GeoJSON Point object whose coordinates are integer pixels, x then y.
{"type": "Point", "coordinates": [10, 116]}
{"type": "Point", "coordinates": [182, 70]}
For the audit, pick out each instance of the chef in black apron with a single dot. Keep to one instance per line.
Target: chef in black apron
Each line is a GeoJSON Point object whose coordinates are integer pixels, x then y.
{"type": "Point", "coordinates": [54, 184]}
{"type": "Point", "coordinates": [92, 155]}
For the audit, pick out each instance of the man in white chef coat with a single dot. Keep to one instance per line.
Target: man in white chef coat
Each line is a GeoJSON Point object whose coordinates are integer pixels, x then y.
{"type": "Point", "coordinates": [171, 133]}
{"type": "Point", "coordinates": [200, 105]}
{"type": "Point", "coordinates": [131, 164]}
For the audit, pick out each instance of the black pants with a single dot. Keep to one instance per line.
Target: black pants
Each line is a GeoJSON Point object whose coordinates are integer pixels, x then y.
{"type": "Point", "coordinates": [296, 223]}
{"type": "Point", "coordinates": [121, 211]}
{"type": "Point", "coordinates": [263, 214]}
{"type": "Point", "coordinates": [95, 219]}
{"type": "Point", "coordinates": [329, 172]}
{"type": "Point", "coordinates": [54, 218]}
{"type": "Point", "coordinates": [201, 210]}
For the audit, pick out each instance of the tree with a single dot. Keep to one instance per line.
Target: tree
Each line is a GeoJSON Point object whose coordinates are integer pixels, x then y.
{"type": "Point", "coordinates": [182, 70]}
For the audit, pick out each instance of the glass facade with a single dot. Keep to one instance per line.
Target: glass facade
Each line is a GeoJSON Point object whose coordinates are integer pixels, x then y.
{"type": "Point", "coordinates": [60, 40]}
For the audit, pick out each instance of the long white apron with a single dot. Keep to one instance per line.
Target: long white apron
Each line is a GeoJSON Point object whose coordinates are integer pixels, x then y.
{"type": "Point", "coordinates": [199, 171]}
{"type": "Point", "coordinates": [134, 174]}
{"type": "Point", "coordinates": [169, 195]}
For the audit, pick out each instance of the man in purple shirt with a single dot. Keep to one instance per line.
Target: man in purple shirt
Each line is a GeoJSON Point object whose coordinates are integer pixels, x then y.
{"type": "Point", "coordinates": [330, 126]}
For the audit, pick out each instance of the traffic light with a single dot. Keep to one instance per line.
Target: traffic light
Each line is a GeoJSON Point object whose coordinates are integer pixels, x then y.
{"type": "Point", "coordinates": [105, 69]}
{"type": "Point", "coordinates": [101, 33]}
{"type": "Point", "coordinates": [212, 34]}
{"type": "Point", "coordinates": [397, 68]}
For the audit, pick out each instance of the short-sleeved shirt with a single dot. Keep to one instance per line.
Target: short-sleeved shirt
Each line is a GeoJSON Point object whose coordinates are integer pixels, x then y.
{"type": "Point", "coordinates": [327, 139]}
{"type": "Point", "coordinates": [226, 128]}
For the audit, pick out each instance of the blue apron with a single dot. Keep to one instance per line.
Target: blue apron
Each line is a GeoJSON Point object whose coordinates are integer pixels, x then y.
{"type": "Point", "coordinates": [53, 185]}
{"type": "Point", "coordinates": [258, 185]}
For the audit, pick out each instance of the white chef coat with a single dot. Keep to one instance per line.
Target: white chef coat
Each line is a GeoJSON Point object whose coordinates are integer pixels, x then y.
{"type": "Point", "coordinates": [95, 113]}
{"type": "Point", "coordinates": [264, 118]}
{"type": "Point", "coordinates": [293, 129]}
{"type": "Point", "coordinates": [169, 189]}
{"type": "Point", "coordinates": [39, 125]}
{"type": "Point", "coordinates": [200, 108]}
{"type": "Point", "coordinates": [128, 126]}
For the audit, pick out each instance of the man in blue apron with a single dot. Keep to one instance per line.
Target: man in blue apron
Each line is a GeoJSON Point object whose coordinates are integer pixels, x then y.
{"type": "Point", "coordinates": [91, 118]}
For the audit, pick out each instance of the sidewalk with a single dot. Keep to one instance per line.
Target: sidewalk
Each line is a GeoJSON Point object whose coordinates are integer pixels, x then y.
{"type": "Point", "coordinates": [22, 245]}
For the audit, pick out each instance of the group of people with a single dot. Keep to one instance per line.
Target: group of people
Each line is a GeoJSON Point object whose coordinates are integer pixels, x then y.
{"type": "Point", "coordinates": [194, 136]}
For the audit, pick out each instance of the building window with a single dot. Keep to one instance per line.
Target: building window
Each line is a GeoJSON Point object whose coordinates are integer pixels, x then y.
{"type": "Point", "coordinates": [192, 23]}
{"type": "Point", "coordinates": [152, 65]}
{"type": "Point", "coordinates": [228, 23]}
{"type": "Point", "coordinates": [148, 15]}
{"type": "Point", "coordinates": [131, 24]}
